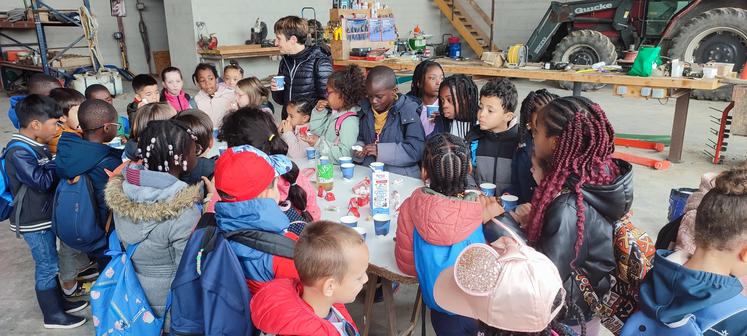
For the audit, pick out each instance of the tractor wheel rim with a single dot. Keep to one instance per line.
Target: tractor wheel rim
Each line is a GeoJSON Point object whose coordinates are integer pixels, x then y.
{"type": "Point", "coordinates": [581, 54]}
{"type": "Point", "coordinates": [718, 50]}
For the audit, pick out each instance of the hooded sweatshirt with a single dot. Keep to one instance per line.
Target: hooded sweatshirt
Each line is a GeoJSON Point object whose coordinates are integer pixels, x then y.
{"type": "Point", "coordinates": [279, 309]}
{"type": "Point", "coordinates": [672, 293]}
{"type": "Point", "coordinates": [261, 214]}
{"type": "Point", "coordinates": [492, 154]}
{"type": "Point", "coordinates": [77, 156]}
{"type": "Point", "coordinates": [604, 205]}
{"type": "Point", "coordinates": [324, 124]}
{"type": "Point", "coordinates": [432, 229]}
{"type": "Point", "coordinates": [157, 211]}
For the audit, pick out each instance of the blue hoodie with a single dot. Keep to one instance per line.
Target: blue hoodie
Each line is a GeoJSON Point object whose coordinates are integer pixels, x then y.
{"type": "Point", "coordinates": [12, 111]}
{"type": "Point", "coordinates": [76, 156]}
{"type": "Point", "coordinates": [672, 293]}
{"type": "Point", "coordinates": [261, 214]}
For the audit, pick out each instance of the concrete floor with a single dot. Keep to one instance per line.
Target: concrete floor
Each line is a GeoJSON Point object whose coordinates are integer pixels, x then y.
{"type": "Point", "coordinates": [21, 315]}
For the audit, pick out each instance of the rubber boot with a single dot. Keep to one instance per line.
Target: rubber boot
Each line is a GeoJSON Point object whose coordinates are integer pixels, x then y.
{"type": "Point", "coordinates": [50, 302]}
{"type": "Point", "coordinates": [70, 306]}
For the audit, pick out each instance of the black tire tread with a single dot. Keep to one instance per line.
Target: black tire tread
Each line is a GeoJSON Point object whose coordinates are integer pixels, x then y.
{"type": "Point", "coordinates": [727, 16]}
{"type": "Point", "coordinates": [604, 46]}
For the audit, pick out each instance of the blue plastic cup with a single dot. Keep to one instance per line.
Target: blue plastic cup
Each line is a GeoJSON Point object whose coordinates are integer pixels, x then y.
{"type": "Point", "coordinates": [381, 224]}
{"type": "Point", "coordinates": [430, 109]}
{"type": "Point", "coordinates": [488, 189]}
{"type": "Point", "coordinates": [345, 159]}
{"type": "Point", "coordinates": [350, 221]}
{"type": "Point", "coordinates": [377, 166]}
{"type": "Point", "coordinates": [510, 202]}
{"type": "Point", "coordinates": [348, 170]}
{"type": "Point", "coordinates": [361, 231]}
{"type": "Point", "coordinates": [310, 153]}
{"type": "Point", "coordinates": [279, 82]}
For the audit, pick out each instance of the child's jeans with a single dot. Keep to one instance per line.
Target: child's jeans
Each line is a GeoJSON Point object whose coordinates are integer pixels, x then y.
{"type": "Point", "coordinates": [43, 246]}
{"type": "Point", "coordinates": [72, 262]}
{"type": "Point", "coordinates": [452, 325]}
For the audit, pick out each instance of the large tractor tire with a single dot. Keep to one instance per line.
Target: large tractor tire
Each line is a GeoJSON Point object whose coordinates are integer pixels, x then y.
{"type": "Point", "coordinates": [584, 47]}
{"type": "Point", "coordinates": [718, 35]}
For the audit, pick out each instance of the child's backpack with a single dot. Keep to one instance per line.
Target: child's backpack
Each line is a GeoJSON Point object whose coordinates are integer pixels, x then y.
{"type": "Point", "coordinates": [7, 201]}
{"type": "Point", "coordinates": [210, 294]}
{"type": "Point", "coordinates": [339, 121]}
{"type": "Point", "coordinates": [118, 302]}
{"type": "Point", "coordinates": [634, 252]}
{"type": "Point", "coordinates": [699, 323]}
{"type": "Point", "coordinates": [75, 217]}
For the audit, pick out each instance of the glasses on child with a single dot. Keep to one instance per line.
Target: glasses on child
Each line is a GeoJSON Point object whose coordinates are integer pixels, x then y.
{"type": "Point", "coordinates": [119, 127]}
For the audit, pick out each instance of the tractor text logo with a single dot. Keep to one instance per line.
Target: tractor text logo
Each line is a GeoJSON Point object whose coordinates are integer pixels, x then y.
{"type": "Point", "coordinates": [592, 8]}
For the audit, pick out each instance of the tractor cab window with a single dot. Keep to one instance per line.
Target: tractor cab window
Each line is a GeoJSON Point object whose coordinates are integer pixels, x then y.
{"type": "Point", "coordinates": [658, 14]}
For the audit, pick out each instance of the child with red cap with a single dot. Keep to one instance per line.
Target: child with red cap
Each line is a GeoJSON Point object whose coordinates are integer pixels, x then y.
{"type": "Point", "coordinates": [250, 201]}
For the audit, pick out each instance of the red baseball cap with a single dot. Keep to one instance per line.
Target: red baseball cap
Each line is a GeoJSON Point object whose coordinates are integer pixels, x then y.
{"type": "Point", "coordinates": [242, 174]}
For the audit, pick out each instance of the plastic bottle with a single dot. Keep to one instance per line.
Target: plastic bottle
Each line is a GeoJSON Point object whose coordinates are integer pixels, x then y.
{"type": "Point", "coordinates": [324, 170]}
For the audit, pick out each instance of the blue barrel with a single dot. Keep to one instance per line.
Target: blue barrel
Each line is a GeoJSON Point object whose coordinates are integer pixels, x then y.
{"type": "Point", "coordinates": [455, 47]}
{"type": "Point", "coordinates": [677, 202]}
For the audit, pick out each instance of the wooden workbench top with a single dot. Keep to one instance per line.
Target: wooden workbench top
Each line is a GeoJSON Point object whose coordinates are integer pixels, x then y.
{"type": "Point", "coordinates": [479, 69]}
{"type": "Point", "coordinates": [244, 50]}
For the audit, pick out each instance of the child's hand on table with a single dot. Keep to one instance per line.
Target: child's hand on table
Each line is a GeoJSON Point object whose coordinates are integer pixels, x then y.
{"type": "Point", "coordinates": [490, 208]}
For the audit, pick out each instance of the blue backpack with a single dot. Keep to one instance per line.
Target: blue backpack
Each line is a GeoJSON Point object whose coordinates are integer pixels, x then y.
{"type": "Point", "coordinates": [75, 216]}
{"type": "Point", "coordinates": [698, 323]}
{"type": "Point", "coordinates": [210, 294]}
{"type": "Point", "coordinates": [118, 302]}
{"type": "Point", "coordinates": [6, 196]}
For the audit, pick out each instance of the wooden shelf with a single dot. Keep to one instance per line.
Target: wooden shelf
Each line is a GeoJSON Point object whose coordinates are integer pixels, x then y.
{"type": "Point", "coordinates": [6, 64]}
{"type": "Point", "coordinates": [240, 51]}
{"type": "Point", "coordinates": [17, 25]}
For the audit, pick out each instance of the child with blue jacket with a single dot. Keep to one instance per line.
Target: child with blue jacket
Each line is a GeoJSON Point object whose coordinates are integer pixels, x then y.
{"type": "Point", "coordinates": [31, 179]}
{"type": "Point", "coordinates": [390, 129]}
{"type": "Point", "coordinates": [437, 222]}
{"type": "Point", "coordinates": [700, 294]}
{"type": "Point", "coordinates": [250, 201]}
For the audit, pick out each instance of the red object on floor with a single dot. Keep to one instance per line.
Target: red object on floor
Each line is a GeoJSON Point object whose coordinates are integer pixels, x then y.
{"type": "Point", "coordinates": [657, 146]}
{"type": "Point", "coordinates": [643, 161]}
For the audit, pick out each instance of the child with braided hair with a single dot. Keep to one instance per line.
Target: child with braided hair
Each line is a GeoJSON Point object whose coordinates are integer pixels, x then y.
{"type": "Point", "coordinates": [152, 207]}
{"type": "Point", "coordinates": [437, 222]}
{"type": "Point", "coordinates": [522, 183]}
{"type": "Point", "coordinates": [426, 81]}
{"type": "Point", "coordinates": [582, 194]}
{"type": "Point", "coordinates": [458, 106]}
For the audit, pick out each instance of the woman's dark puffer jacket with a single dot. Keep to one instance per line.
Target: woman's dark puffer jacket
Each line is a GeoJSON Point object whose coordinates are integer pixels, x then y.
{"type": "Point", "coordinates": [605, 204]}
{"type": "Point", "coordinates": [305, 74]}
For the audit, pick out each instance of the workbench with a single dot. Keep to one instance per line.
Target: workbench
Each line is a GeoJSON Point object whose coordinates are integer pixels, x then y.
{"type": "Point", "coordinates": [678, 88]}
{"type": "Point", "coordinates": [229, 52]}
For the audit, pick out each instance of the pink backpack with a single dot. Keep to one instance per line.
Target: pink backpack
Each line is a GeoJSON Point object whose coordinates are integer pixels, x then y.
{"type": "Point", "coordinates": [338, 124]}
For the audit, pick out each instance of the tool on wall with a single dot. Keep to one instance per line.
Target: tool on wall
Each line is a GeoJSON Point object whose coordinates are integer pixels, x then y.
{"type": "Point", "coordinates": [258, 34]}
{"type": "Point", "coordinates": [205, 42]}
{"type": "Point", "coordinates": [144, 35]}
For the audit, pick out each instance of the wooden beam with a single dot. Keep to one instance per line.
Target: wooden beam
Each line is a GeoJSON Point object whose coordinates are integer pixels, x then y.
{"type": "Point", "coordinates": [478, 68]}
{"type": "Point", "coordinates": [480, 11]}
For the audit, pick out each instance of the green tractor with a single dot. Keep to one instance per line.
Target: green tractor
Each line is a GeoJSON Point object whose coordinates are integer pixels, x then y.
{"type": "Point", "coordinates": [695, 31]}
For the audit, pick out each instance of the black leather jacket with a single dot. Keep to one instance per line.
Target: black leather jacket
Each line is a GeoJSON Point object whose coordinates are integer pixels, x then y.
{"type": "Point", "coordinates": [603, 205]}
{"type": "Point", "coordinates": [305, 74]}
{"type": "Point", "coordinates": [37, 173]}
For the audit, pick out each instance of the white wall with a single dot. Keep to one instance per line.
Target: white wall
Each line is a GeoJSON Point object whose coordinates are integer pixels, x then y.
{"type": "Point", "coordinates": [59, 37]}
{"type": "Point", "coordinates": [232, 20]}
